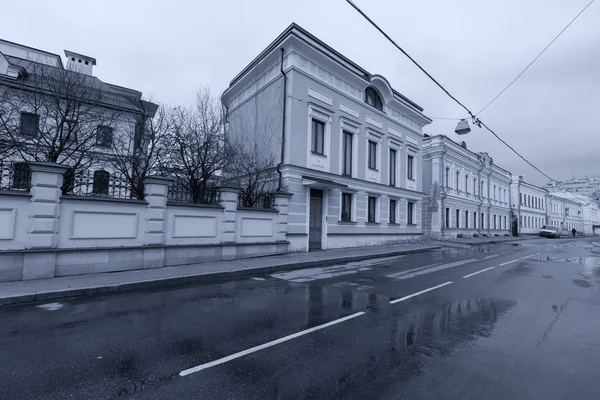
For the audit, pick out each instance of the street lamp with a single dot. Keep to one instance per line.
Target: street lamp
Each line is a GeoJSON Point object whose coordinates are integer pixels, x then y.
{"type": "Point", "coordinates": [462, 128]}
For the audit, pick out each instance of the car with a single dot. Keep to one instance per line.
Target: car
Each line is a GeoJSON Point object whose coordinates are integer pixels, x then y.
{"type": "Point", "coordinates": [550, 231]}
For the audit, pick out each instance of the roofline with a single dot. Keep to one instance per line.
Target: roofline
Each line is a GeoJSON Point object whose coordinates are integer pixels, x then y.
{"type": "Point", "coordinates": [535, 186]}
{"type": "Point", "coordinates": [290, 30]}
{"type": "Point", "coordinates": [33, 48]}
{"type": "Point", "coordinates": [69, 53]}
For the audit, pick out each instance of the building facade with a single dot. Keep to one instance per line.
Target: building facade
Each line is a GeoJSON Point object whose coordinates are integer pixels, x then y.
{"type": "Point", "coordinates": [348, 144]}
{"type": "Point", "coordinates": [530, 206]}
{"type": "Point", "coordinates": [566, 212]}
{"type": "Point", "coordinates": [66, 115]}
{"type": "Point", "coordinates": [468, 194]}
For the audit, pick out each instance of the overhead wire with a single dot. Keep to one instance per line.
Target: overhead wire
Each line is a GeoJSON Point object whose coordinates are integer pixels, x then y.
{"type": "Point", "coordinates": [475, 119]}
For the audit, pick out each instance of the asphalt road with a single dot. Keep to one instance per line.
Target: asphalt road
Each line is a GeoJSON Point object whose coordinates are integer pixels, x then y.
{"type": "Point", "coordinates": [494, 322]}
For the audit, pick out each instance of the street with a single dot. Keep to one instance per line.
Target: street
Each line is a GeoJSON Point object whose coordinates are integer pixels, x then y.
{"type": "Point", "coordinates": [496, 321]}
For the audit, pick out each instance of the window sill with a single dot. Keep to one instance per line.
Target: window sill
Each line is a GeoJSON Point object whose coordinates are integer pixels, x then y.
{"type": "Point", "coordinates": [373, 169]}
{"type": "Point", "coordinates": [411, 179]}
{"type": "Point", "coordinates": [393, 224]}
{"type": "Point", "coordinates": [372, 223]}
{"type": "Point", "coordinates": [411, 225]}
{"type": "Point", "coordinates": [346, 222]}
{"type": "Point", "coordinates": [315, 153]}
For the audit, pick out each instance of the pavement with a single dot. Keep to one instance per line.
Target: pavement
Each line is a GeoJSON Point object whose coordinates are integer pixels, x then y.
{"type": "Point", "coordinates": [497, 321]}
{"type": "Point", "coordinates": [85, 285]}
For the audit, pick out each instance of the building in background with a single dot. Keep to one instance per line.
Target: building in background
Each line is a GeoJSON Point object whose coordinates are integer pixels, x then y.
{"type": "Point", "coordinates": [588, 186]}
{"type": "Point", "coordinates": [347, 144]}
{"type": "Point", "coordinates": [64, 115]}
{"type": "Point", "coordinates": [566, 212]}
{"type": "Point", "coordinates": [468, 193]}
{"type": "Point", "coordinates": [529, 205]}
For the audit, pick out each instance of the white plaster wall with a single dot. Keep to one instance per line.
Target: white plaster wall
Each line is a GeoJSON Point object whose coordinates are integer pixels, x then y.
{"type": "Point", "coordinates": [14, 212]}
{"type": "Point", "coordinates": [255, 226]}
{"type": "Point", "coordinates": [193, 225]}
{"type": "Point", "coordinates": [89, 223]}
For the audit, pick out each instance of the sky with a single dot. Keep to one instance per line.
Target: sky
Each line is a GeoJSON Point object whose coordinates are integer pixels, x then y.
{"type": "Point", "coordinates": [170, 49]}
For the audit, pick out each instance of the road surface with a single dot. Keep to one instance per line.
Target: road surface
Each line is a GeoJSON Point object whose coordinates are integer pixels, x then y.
{"type": "Point", "coordinates": [494, 322]}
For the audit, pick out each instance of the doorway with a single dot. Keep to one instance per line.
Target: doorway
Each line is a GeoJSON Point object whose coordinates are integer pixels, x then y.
{"type": "Point", "coordinates": [315, 220]}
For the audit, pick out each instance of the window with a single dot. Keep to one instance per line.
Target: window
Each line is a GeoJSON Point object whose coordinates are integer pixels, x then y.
{"type": "Point", "coordinates": [372, 154]}
{"type": "Point", "coordinates": [21, 176]}
{"type": "Point", "coordinates": [494, 221]}
{"type": "Point", "coordinates": [68, 181]}
{"type": "Point", "coordinates": [466, 218]}
{"type": "Point", "coordinates": [504, 198]}
{"type": "Point", "coordinates": [467, 183]}
{"type": "Point", "coordinates": [447, 217]}
{"type": "Point", "coordinates": [30, 124]}
{"type": "Point", "coordinates": [104, 136]}
{"type": "Point", "coordinates": [373, 99]}
{"type": "Point", "coordinates": [347, 154]}
{"type": "Point", "coordinates": [474, 185]}
{"type": "Point", "coordinates": [474, 219]}
{"type": "Point", "coordinates": [409, 169]}
{"type": "Point", "coordinates": [372, 209]}
{"type": "Point", "coordinates": [392, 211]}
{"type": "Point", "coordinates": [482, 192]}
{"type": "Point", "coordinates": [505, 222]}
{"type": "Point", "coordinates": [482, 226]}
{"type": "Point", "coordinates": [522, 197]}
{"type": "Point", "coordinates": [410, 206]}
{"type": "Point", "coordinates": [393, 154]}
{"type": "Point", "coordinates": [318, 137]}
{"type": "Point", "coordinates": [101, 182]}
{"type": "Point", "coordinates": [457, 180]}
{"type": "Point", "coordinates": [457, 222]}
{"type": "Point", "coordinates": [447, 177]}
{"type": "Point", "coordinates": [494, 192]}
{"type": "Point", "coordinates": [346, 207]}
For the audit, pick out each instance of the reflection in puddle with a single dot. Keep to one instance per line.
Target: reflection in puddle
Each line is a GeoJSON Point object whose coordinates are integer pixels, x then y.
{"type": "Point", "coordinates": [591, 264]}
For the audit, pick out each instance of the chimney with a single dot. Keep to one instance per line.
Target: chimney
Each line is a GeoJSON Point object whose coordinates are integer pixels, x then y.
{"type": "Point", "coordinates": [80, 63]}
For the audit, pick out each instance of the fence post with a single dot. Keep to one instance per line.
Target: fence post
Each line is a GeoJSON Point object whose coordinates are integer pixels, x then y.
{"type": "Point", "coordinates": [155, 194]}
{"type": "Point", "coordinates": [282, 200]}
{"type": "Point", "coordinates": [228, 199]}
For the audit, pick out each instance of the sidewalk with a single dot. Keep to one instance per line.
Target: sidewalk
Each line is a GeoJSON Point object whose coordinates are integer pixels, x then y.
{"type": "Point", "coordinates": [80, 285]}
{"type": "Point", "coordinates": [485, 240]}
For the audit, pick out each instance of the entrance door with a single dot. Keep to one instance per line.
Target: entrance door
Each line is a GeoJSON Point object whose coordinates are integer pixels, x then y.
{"type": "Point", "coordinates": [315, 219]}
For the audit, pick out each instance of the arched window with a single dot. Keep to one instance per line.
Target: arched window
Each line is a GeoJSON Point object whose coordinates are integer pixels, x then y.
{"type": "Point", "coordinates": [373, 99]}
{"type": "Point", "coordinates": [101, 182]}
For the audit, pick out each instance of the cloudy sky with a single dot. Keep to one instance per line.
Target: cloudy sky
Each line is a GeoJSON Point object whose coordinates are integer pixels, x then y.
{"type": "Point", "coordinates": [168, 49]}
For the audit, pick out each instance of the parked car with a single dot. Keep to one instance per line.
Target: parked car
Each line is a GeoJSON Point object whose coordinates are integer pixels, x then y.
{"type": "Point", "coordinates": [549, 231]}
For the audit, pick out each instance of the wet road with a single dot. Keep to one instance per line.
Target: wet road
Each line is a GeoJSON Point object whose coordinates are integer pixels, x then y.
{"type": "Point", "coordinates": [493, 322]}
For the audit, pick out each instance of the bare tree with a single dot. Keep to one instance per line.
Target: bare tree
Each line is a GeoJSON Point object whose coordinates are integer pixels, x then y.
{"type": "Point", "coordinates": [56, 115]}
{"type": "Point", "coordinates": [198, 152]}
{"type": "Point", "coordinates": [138, 153]}
{"type": "Point", "coordinates": [254, 134]}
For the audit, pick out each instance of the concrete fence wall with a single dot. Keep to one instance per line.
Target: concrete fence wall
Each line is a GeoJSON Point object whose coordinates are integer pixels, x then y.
{"type": "Point", "coordinates": [44, 234]}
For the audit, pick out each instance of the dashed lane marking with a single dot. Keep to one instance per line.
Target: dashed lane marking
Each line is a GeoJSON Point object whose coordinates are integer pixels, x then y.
{"type": "Point", "coordinates": [478, 272]}
{"type": "Point", "coordinates": [410, 296]}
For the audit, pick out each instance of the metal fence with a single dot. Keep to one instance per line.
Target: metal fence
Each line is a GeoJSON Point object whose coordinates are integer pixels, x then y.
{"type": "Point", "coordinates": [255, 200]}
{"type": "Point", "coordinates": [98, 183]}
{"type": "Point", "coordinates": [14, 176]}
{"type": "Point", "coordinates": [180, 193]}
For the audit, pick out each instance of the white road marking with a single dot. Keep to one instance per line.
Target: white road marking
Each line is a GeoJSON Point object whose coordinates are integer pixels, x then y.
{"type": "Point", "coordinates": [436, 267]}
{"type": "Point", "coordinates": [266, 345]}
{"type": "Point", "coordinates": [258, 279]}
{"type": "Point", "coordinates": [509, 262]}
{"type": "Point", "coordinates": [478, 272]}
{"type": "Point", "coordinates": [410, 296]}
{"type": "Point", "coordinates": [51, 306]}
{"type": "Point", "coordinates": [399, 274]}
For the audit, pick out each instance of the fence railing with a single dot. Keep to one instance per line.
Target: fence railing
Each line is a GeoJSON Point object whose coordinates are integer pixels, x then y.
{"type": "Point", "coordinates": [179, 193]}
{"type": "Point", "coordinates": [98, 183]}
{"type": "Point", "coordinates": [255, 200]}
{"type": "Point", "coordinates": [14, 176]}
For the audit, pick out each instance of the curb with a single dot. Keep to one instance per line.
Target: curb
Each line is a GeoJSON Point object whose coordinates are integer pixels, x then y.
{"type": "Point", "coordinates": [198, 278]}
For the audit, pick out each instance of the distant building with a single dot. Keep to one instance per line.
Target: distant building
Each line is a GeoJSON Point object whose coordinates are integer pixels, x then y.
{"type": "Point", "coordinates": [587, 186]}
{"type": "Point", "coordinates": [468, 193]}
{"type": "Point", "coordinates": [569, 210]}
{"type": "Point", "coordinates": [530, 205]}
{"type": "Point", "coordinates": [348, 145]}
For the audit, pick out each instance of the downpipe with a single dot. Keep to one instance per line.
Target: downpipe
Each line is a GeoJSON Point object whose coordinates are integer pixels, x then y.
{"type": "Point", "coordinates": [280, 184]}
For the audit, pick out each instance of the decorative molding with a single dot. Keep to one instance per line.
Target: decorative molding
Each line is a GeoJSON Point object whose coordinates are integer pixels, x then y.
{"type": "Point", "coordinates": [374, 122]}
{"type": "Point", "coordinates": [394, 132]}
{"type": "Point", "coordinates": [315, 94]}
{"type": "Point", "coordinates": [411, 140]}
{"type": "Point", "coordinates": [349, 110]}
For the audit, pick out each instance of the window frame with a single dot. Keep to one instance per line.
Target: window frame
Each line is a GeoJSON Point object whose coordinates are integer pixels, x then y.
{"type": "Point", "coordinates": [314, 147]}
{"type": "Point", "coordinates": [372, 206]}
{"type": "Point", "coordinates": [21, 176]}
{"type": "Point", "coordinates": [392, 220]}
{"type": "Point", "coordinates": [372, 154]}
{"type": "Point", "coordinates": [97, 188]}
{"type": "Point", "coordinates": [410, 211]}
{"type": "Point", "coordinates": [373, 98]}
{"type": "Point", "coordinates": [410, 160]}
{"type": "Point", "coordinates": [104, 143]}
{"type": "Point", "coordinates": [349, 212]}
{"type": "Point", "coordinates": [393, 167]}
{"type": "Point", "coordinates": [23, 116]}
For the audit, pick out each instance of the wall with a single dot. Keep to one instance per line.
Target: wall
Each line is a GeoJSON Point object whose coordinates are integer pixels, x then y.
{"type": "Point", "coordinates": [44, 234]}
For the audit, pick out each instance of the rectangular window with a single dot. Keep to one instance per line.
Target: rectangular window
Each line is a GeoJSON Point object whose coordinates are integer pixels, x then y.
{"type": "Point", "coordinates": [392, 211]}
{"type": "Point", "coordinates": [482, 192]}
{"type": "Point", "coordinates": [494, 221]}
{"type": "Point", "coordinates": [467, 183]}
{"type": "Point", "coordinates": [457, 222]}
{"type": "Point", "coordinates": [457, 180]}
{"type": "Point", "coordinates": [347, 154]}
{"type": "Point", "coordinates": [393, 154]}
{"type": "Point", "coordinates": [30, 124]}
{"type": "Point", "coordinates": [409, 167]}
{"type": "Point", "coordinates": [346, 207]}
{"type": "Point", "coordinates": [466, 219]}
{"type": "Point", "coordinates": [372, 209]}
{"type": "Point", "coordinates": [410, 206]}
{"type": "Point", "coordinates": [104, 136]}
{"type": "Point", "coordinates": [474, 185]}
{"type": "Point", "coordinates": [447, 217]}
{"type": "Point", "coordinates": [504, 222]}
{"type": "Point", "coordinates": [447, 177]}
{"type": "Point", "coordinates": [318, 137]}
{"type": "Point", "coordinates": [21, 178]}
{"type": "Point", "coordinates": [482, 226]}
{"type": "Point", "coordinates": [372, 154]}
{"type": "Point", "coordinates": [474, 219]}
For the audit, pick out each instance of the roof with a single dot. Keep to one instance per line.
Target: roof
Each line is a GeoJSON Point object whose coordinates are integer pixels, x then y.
{"type": "Point", "coordinates": [69, 53]}
{"type": "Point", "coordinates": [35, 49]}
{"type": "Point", "coordinates": [327, 50]}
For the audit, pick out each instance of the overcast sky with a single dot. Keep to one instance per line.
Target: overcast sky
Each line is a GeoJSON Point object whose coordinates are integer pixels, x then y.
{"type": "Point", "coordinates": [168, 49]}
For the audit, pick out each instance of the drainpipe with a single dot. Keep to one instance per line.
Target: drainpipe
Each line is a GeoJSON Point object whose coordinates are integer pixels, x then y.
{"type": "Point", "coordinates": [489, 207]}
{"type": "Point", "coordinates": [443, 192]}
{"type": "Point", "coordinates": [480, 195]}
{"type": "Point", "coordinates": [280, 184]}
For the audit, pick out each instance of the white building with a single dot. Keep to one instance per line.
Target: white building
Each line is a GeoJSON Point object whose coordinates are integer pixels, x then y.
{"type": "Point", "coordinates": [566, 212]}
{"type": "Point", "coordinates": [530, 206]}
{"type": "Point", "coordinates": [348, 144]}
{"type": "Point", "coordinates": [469, 194]}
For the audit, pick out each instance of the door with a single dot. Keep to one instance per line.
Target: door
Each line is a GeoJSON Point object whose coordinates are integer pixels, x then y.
{"type": "Point", "coordinates": [315, 219]}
